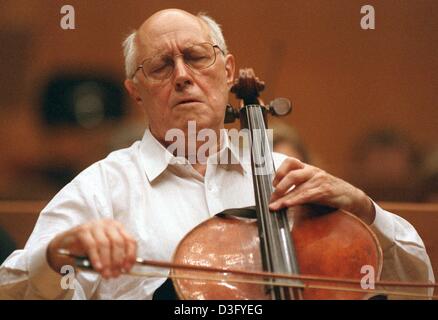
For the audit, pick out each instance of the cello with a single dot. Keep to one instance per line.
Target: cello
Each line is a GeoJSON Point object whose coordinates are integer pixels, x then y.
{"type": "Point", "coordinates": [310, 239]}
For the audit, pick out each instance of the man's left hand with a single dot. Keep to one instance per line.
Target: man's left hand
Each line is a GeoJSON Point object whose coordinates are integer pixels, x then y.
{"type": "Point", "coordinates": [298, 183]}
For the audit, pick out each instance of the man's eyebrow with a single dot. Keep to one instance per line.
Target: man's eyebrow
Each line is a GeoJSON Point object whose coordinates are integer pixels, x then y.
{"type": "Point", "coordinates": [161, 52]}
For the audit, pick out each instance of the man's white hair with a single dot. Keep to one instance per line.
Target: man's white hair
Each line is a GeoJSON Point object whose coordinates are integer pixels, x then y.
{"type": "Point", "coordinates": [130, 45]}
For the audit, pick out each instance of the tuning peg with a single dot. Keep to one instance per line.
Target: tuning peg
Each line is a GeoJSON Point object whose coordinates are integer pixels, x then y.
{"type": "Point", "coordinates": [280, 107]}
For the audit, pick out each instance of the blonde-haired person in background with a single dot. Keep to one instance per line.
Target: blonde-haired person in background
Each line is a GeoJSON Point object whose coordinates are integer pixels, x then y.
{"type": "Point", "coordinates": [287, 141]}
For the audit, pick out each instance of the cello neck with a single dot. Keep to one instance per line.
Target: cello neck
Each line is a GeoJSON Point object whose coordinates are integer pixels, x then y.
{"type": "Point", "coordinates": [277, 249]}
{"type": "Point", "coordinates": [276, 245]}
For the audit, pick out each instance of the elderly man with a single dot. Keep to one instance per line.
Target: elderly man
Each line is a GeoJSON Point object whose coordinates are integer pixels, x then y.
{"type": "Point", "coordinates": [140, 202]}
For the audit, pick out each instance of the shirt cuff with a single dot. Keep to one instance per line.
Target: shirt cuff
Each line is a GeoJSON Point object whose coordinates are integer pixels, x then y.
{"type": "Point", "coordinates": [383, 227]}
{"type": "Point", "coordinates": [45, 282]}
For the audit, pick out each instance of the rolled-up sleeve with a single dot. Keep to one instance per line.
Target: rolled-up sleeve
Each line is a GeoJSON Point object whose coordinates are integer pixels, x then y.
{"type": "Point", "coordinates": [404, 255]}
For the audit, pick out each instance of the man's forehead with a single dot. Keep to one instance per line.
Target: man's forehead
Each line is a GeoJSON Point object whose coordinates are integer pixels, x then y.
{"type": "Point", "coordinates": [171, 24]}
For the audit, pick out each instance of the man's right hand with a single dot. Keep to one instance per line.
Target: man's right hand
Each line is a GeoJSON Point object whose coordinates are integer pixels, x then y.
{"type": "Point", "coordinates": [105, 242]}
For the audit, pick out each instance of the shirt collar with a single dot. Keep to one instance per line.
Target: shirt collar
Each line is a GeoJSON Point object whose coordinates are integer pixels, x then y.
{"type": "Point", "coordinates": [156, 158]}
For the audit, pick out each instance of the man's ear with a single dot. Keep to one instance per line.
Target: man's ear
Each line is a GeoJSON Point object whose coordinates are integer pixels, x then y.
{"type": "Point", "coordinates": [133, 91]}
{"type": "Point", "coordinates": [230, 67]}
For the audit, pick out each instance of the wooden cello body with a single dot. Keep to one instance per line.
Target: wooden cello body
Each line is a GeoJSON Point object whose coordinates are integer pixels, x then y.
{"type": "Point", "coordinates": [335, 244]}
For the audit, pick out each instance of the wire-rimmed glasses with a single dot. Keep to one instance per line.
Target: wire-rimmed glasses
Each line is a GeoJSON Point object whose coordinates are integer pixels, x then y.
{"type": "Point", "coordinates": [197, 57]}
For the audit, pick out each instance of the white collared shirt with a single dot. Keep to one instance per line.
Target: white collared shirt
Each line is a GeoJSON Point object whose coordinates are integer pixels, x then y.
{"type": "Point", "coordinates": [160, 198]}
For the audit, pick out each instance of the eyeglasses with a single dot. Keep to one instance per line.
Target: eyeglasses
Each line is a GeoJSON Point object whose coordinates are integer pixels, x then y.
{"type": "Point", "coordinates": [197, 57]}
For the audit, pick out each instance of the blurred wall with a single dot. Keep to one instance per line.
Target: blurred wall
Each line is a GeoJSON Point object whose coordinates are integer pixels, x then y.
{"type": "Point", "coordinates": [342, 80]}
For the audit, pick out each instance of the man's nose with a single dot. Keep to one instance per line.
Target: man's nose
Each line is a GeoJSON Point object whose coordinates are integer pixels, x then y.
{"type": "Point", "coordinates": [182, 76]}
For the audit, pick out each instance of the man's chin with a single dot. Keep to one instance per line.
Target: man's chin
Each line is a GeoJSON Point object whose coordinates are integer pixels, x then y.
{"type": "Point", "coordinates": [196, 122]}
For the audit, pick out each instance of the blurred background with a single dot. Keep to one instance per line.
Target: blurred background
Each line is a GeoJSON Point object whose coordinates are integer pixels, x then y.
{"type": "Point", "coordinates": [62, 104]}
{"type": "Point", "coordinates": [365, 101]}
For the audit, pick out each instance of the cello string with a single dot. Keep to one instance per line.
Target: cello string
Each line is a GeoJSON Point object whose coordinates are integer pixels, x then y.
{"type": "Point", "coordinates": [277, 263]}
{"type": "Point", "coordinates": [283, 227]}
{"type": "Point", "coordinates": [264, 171]}
{"type": "Point", "coordinates": [283, 251]}
{"type": "Point", "coordinates": [263, 234]}
{"type": "Point", "coordinates": [264, 205]}
{"type": "Point", "coordinates": [278, 223]}
{"type": "Point", "coordinates": [260, 167]}
{"type": "Point", "coordinates": [261, 176]}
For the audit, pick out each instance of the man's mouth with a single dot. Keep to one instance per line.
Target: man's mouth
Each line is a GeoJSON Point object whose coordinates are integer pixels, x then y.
{"type": "Point", "coordinates": [186, 102]}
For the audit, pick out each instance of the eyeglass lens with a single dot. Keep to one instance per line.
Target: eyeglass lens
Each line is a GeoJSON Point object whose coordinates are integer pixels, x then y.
{"type": "Point", "coordinates": [197, 57]}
